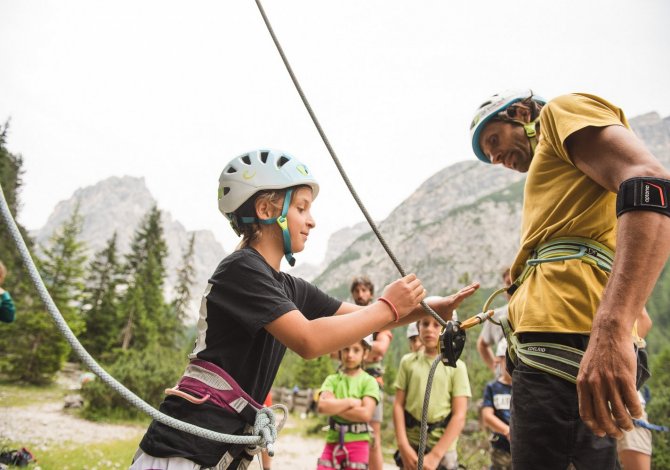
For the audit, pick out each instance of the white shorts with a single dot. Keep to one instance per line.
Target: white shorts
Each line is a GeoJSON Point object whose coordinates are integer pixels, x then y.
{"type": "Point", "coordinates": [143, 461]}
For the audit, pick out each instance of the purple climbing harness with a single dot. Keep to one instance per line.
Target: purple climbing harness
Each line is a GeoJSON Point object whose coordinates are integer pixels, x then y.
{"type": "Point", "coordinates": [206, 382]}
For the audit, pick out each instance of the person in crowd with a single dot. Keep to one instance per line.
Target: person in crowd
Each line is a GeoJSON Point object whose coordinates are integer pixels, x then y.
{"type": "Point", "coordinates": [7, 307]}
{"type": "Point", "coordinates": [496, 411]}
{"type": "Point", "coordinates": [592, 189]}
{"type": "Point", "coordinates": [252, 311]}
{"type": "Point", "coordinates": [446, 410]}
{"type": "Point", "coordinates": [413, 337]}
{"type": "Point", "coordinates": [491, 334]}
{"type": "Point", "coordinates": [349, 397]}
{"type": "Point", "coordinates": [362, 291]}
{"type": "Point", "coordinates": [635, 446]}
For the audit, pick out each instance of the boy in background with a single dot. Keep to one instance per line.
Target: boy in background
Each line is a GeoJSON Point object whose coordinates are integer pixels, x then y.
{"type": "Point", "coordinates": [447, 407]}
{"type": "Point", "coordinates": [496, 411]}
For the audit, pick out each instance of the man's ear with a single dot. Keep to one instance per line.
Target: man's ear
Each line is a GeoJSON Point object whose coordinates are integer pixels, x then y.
{"type": "Point", "coordinates": [524, 113]}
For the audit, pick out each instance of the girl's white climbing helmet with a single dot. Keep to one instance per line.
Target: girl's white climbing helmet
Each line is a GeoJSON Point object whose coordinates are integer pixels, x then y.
{"type": "Point", "coordinates": [496, 107]}
{"type": "Point", "coordinates": [258, 170]}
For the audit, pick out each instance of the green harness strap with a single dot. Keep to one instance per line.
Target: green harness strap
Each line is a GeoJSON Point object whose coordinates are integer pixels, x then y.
{"type": "Point", "coordinates": [563, 249]}
{"type": "Point", "coordinates": [556, 359]}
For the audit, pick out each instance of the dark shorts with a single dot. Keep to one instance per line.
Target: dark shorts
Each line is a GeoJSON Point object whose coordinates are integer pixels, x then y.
{"type": "Point", "coordinates": [546, 429]}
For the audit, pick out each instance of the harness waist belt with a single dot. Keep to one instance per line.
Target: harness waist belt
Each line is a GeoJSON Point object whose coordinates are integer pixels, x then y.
{"type": "Point", "coordinates": [354, 428]}
{"type": "Point", "coordinates": [211, 383]}
{"type": "Point", "coordinates": [412, 422]}
{"type": "Point", "coordinates": [566, 248]}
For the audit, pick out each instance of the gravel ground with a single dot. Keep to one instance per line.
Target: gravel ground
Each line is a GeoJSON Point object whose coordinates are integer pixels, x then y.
{"type": "Point", "coordinates": [47, 424]}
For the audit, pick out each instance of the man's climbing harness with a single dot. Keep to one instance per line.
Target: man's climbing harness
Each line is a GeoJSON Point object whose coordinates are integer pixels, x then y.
{"type": "Point", "coordinates": [265, 428]}
{"type": "Point", "coordinates": [558, 359]}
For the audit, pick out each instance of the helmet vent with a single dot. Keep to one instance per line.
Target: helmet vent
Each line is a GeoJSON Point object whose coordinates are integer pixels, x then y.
{"type": "Point", "coordinates": [264, 156]}
{"type": "Point", "coordinates": [231, 170]}
{"type": "Point", "coordinates": [226, 190]}
{"type": "Point", "coordinates": [282, 161]}
{"type": "Point", "coordinates": [246, 159]}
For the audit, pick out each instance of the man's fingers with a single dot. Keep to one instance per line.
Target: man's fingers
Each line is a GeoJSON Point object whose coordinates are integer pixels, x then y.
{"type": "Point", "coordinates": [632, 401]}
{"type": "Point", "coordinates": [620, 415]}
{"type": "Point", "coordinates": [585, 404]}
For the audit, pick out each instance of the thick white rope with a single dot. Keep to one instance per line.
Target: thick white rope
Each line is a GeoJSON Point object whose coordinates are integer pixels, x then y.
{"type": "Point", "coordinates": [265, 430]}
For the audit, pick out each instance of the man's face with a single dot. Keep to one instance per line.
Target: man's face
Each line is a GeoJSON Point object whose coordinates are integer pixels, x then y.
{"type": "Point", "coordinates": [361, 295]}
{"type": "Point", "coordinates": [506, 143]}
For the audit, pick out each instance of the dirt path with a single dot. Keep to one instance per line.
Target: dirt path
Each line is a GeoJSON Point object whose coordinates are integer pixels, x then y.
{"type": "Point", "coordinates": [47, 424]}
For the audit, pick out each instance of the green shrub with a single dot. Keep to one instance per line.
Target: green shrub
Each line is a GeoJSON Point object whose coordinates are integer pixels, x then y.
{"type": "Point", "coordinates": [147, 373]}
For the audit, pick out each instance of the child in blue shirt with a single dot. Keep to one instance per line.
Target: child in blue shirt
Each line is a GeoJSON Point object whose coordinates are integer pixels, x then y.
{"type": "Point", "coordinates": [496, 411]}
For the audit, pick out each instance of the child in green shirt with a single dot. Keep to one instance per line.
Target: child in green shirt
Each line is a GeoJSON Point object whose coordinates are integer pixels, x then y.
{"type": "Point", "coordinates": [349, 397]}
{"type": "Point", "coordinates": [446, 411]}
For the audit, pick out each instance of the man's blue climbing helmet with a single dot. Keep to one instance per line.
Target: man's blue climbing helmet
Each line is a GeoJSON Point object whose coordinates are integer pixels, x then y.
{"type": "Point", "coordinates": [495, 108]}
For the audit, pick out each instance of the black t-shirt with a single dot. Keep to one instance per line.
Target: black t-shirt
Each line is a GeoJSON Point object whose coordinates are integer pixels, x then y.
{"type": "Point", "coordinates": [242, 297]}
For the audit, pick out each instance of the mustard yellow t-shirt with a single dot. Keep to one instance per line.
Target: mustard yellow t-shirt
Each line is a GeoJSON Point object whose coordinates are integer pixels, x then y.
{"type": "Point", "coordinates": [561, 201]}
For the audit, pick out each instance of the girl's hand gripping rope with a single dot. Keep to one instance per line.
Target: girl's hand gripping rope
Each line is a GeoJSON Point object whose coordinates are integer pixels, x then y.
{"type": "Point", "coordinates": [403, 296]}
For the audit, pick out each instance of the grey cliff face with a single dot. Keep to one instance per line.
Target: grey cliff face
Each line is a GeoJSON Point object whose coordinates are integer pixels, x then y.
{"type": "Point", "coordinates": [462, 221]}
{"type": "Point", "coordinates": [119, 204]}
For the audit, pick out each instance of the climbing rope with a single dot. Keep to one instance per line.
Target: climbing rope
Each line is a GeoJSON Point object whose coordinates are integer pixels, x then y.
{"type": "Point", "coordinates": [265, 428]}
{"type": "Point", "coordinates": [336, 160]}
{"type": "Point", "coordinates": [475, 320]}
{"type": "Point", "coordinates": [424, 412]}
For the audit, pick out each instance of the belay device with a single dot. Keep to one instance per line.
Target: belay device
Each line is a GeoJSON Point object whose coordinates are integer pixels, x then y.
{"type": "Point", "coordinates": [452, 338]}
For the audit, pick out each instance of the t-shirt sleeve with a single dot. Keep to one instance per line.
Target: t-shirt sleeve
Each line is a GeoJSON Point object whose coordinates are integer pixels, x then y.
{"type": "Point", "coordinates": [370, 388]}
{"type": "Point", "coordinates": [487, 399]}
{"type": "Point", "coordinates": [401, 378]}
{"type": "Point", "coordinates": [247, 292]}
{"type": "Point", "coordinates": [311, 301]}
{"type": "Point", "coordinates": [461, 382]}
{"type": "Point", "coordinates": [328, 384]}
{"type": "Point", "coordinates": [567, 114]}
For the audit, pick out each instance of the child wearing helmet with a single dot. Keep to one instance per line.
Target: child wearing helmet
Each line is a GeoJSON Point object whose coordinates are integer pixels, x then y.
{"type": "Point", "coordinates": [349, 397]}
{"type": "Point", "coordinates": [413, 338]}
{"type": "Point", "coordinates": [251, 312]}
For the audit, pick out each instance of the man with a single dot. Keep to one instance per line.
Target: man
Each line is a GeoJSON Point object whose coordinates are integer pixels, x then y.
{"type": "Point", "coordinates": [491, 333]}
{"type": "Point", "coordinates": [590, 179]}
{"type": "Point", "coordinates": [362, 290]}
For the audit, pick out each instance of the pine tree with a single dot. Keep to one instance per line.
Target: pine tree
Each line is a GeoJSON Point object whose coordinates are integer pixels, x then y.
{"type": "Point", "coordinates": [62, 270]}
{"type": "Point", "coordinates": [100, 308]}
{"type": "Point", "coordinates": [18, 283]}
{"type": "Point", "coordinates": [185, 278]}
{"type": "Point", "coordinates": [146, 319]}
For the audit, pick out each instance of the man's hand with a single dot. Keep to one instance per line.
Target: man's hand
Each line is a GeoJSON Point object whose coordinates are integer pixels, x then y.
{"type": "Point", "coordinates": [445, 306]}
{"type": "Point", "coordinates": [606, 383]}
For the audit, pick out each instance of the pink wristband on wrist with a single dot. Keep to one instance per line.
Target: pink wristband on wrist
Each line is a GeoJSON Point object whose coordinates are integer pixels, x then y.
{"type": "Point", "coordinates": [392, 307]}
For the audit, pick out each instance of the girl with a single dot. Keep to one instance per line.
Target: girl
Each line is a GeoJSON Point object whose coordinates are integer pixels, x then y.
{"type": "Point", "coordinates": [446, 410]}
{"type": "Point", "coordinates": [349, 397]}
{"type": "Point", "coordinates": [251, 312]}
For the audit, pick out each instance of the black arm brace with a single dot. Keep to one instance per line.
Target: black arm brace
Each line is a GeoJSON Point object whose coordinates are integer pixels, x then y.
{"type": "Point", "coordinates": [643, 194]}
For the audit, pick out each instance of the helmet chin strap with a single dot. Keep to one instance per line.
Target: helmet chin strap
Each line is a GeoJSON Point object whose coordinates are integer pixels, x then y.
{"type": "Point", "coordinates": [531, 133]}
{"type": "Point", "coordinates": [282, 221]}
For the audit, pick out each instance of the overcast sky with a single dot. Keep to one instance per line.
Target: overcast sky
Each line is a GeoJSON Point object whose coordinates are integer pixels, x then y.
{"type": "Point", "coordinates": [173, 90]}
